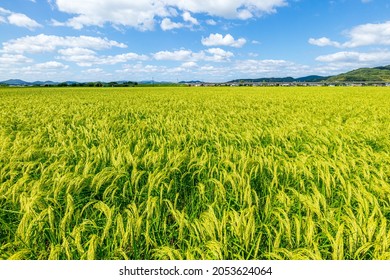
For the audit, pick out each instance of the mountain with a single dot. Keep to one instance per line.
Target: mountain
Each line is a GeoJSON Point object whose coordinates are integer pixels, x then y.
{"type": "Point", "coordinates": [49, 83]}
{"type": "Point", "coordinates": [383, 67]}
{"type": "Point", "coordinates": [70, 82]}
{"type": "Point", "coordinates": [312, 79]}
{"type": "Point", "coordinates": [18, 82]}
{"type": "Point", "coordinates": [191, 82]}
{"type": "Point", "coordinates": [376, 74]}
{"type": "Point", "coordinates": [15, 82]}
{"type": "Point", "coordinates": [264, 80]}
{"type": "Point", "coordinates": [306, 79]}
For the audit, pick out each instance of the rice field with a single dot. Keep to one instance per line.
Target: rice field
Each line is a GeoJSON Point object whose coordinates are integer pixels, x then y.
{"type": "Point", "coordinates": [195, 173]}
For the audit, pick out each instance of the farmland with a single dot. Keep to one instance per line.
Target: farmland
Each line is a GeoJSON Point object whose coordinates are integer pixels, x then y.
{"type": "Point", "coordinates": [195, 173]}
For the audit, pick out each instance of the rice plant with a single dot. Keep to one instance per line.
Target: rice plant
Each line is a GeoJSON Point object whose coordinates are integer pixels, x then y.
{"type": "Point", "coordinates": [195, 173]}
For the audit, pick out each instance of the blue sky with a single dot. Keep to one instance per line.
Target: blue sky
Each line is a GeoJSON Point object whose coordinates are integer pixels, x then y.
{"type": "Point", "coordinates": [174, 40]}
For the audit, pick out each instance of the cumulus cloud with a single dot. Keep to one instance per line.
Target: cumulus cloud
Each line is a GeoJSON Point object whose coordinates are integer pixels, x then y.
{"type": "Point", "coordinates": [229, 8]}
{"type": "Point", "coordinates": [46, 67]}
{"type": "Point", "coordinates": [218, 55]}
{"type": "Point", "coordinates": [187, 17]}
{"type": "Point", "coordinates": [120, 58]}
{"type": "Point", "coordinates": [139, 14]}
{"type": "Point", "coordinates": [167, 24]}
{"type": "Point", "coordinates": [142, 14]}
{"type": "Point", "coordinates": [86, 58]}
{"type": "Point", "coordinates": [179, 55]}
{"type": "Point", "coordinates": [269, 67]}
{"type": "Point", "coordinates": [13, 59]}
{"type": "Point", "coordinates": [4, 11]}
{"type": "Point", "coordinates": [18, 19]}
{"type": "Point", "coordinates": [323, 42]}
{"type": "Point", "coordinates": [94, 71]}
{"type": "Point", "coordinates": [211, 22]}
{"type": "Point", "coordinates": [219, 40]}
{"type": "Point", "coordinates": [213, 54]}
{"type": "Point", "coordinates": [356, 57]}
{"type": "Point", "coordinates": [22, 20]}
{"type": "Point", "coordinates": [51, 65]}
{"type": "Point", "coordinates": [349, 60]}
{"type": "Point", "coordinates": [189, 64]}
{"type": "Point", "coordinates": [140, 68]}
{"type": "Point", "coordinates": [48, 43]}
{"type": "Point", "coordinates": [369, 34]}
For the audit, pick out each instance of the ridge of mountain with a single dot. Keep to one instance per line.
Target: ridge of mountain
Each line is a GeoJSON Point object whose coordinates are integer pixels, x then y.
{"type": "Point", "coordinates": [375, 74]}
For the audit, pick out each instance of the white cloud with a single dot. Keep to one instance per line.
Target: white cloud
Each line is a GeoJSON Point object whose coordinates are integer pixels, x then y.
{"type": "Point", "coordinates": [80, 56]}
{"type": "Point", "coordinates": [142, 14]}
{"type": "Point", "coordinates": [179, 55]}
{"type": "Point", "coordinates": [207, 68]}
{"type": "Point", "coordinates": [22, 20]}
{"type": "Point", "coordinates": [94, 71]}
{"type": "Point", "coordinates": [218, 55]}
{"type": "Point", "coordinates": [189, 64]}
{"type": "Point", "coordinates": [356, 57]}
{"type": "Point", "coordinates": [213, 54]}
{"type": "Point", "coordinates": [18, 19]}
{"type": "Point", "coordinates": [229, 8]}
{"type": "Point", "coordinates": [209, 71]}
{"type": "Point", "coordinates": [270, 68]}
{"type": "Point", "coordinates": [86, 58]}
{"type": "Point", "coordinates": [211, 22]}
{"type": "Point", "coordinates": [323, 42]}
{"type": "Point", "coordinates": [13, 59]}
{"type": "Point", "coordinates": [77, 52]}
{"type": "Point", "coordinates": [46, 68]}
{"type": "Point", "coordinates": [187, 17]}
{"type": "Point", "coordinates": [345, 61]}
{"type": "Point", "coordinates": [120, 58]}
{"type": "Point", "coordinates": [139, 14]}
{"type": "Point", "coordinates": [4, 11]}
{"type": "Point", "coordinates": [244, 14]}
{"type": "Point", "coordinates": [219, 40]}
{"type": "Point", "coordinates": [167, 24]}
{"type": "Point", "coordinates": [48, 43]}
{"type": "Point", "coordinates": [140, 68]}
{"type": "Point", "coordinates": [369, 34]}
{"type": "Point", "coordinates": [51, 65]}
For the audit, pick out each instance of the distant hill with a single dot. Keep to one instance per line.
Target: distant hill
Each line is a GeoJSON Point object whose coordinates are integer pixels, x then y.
{"type": "Point", "coordinates": [191, 82]}
{"type": "Point", "coordinates": [18, 82]}
{"type": "Point", "coordinates": [39, 83]}
{"type": "Point", "coordinates": [376, 74]}
{"type": "Point", "coordinates": [15, 82]}
{"type": "Point", "coordinates": [312, 78]}
{"type": "Point", "coordinates": [152, 82]}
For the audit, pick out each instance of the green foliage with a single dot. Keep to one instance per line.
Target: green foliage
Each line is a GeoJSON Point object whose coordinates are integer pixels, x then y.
{"type": "Point", "coordinates": [194, 173]}
{"type": "Point", "coordinates": [378, 74]}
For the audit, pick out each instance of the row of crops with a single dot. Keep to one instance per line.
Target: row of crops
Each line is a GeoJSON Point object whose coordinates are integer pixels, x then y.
{"type": "Point", "coordinates": [195, 173]}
